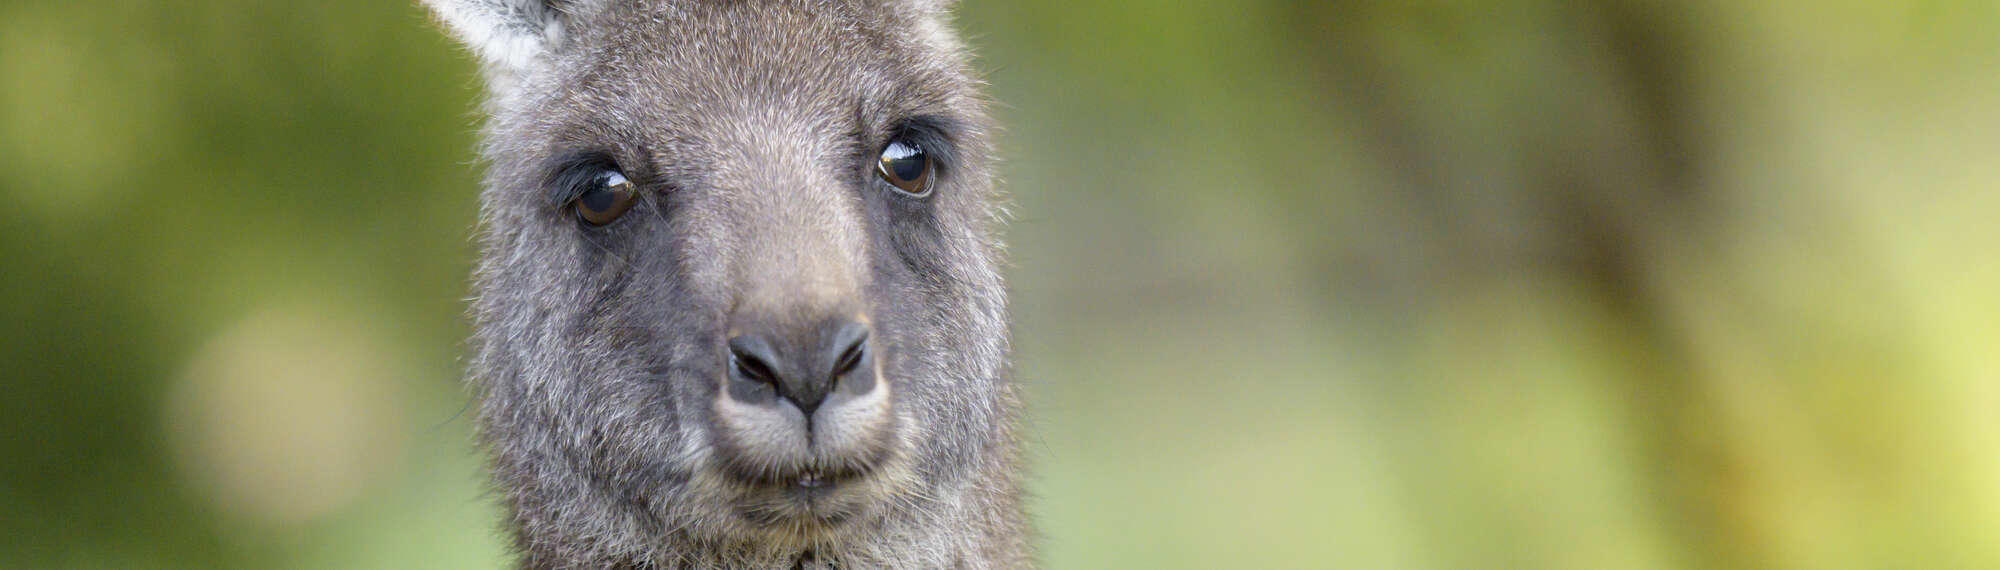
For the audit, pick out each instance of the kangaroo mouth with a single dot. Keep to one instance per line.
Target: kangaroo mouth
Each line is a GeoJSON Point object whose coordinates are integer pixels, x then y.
{"type": "Point", "coordinates": [814, 494]}
{"type": "Point", "coordinates": [807, 500]}
{"type": "Point", "coordinates": [810, 478]}
{"type": "Point", "coordinates": [816, 480]}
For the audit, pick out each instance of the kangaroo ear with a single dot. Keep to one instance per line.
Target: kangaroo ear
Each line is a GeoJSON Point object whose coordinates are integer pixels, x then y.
{"type": "Point", "coordinates": [930, 6]}
{"type": "Point", "coordinates": [508, 35]}
{"type": "Point", "coordinates": [918, 7]}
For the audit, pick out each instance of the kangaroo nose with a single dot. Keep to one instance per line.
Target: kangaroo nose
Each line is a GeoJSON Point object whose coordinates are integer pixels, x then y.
{"type": "Point", "coordinates": [803, 368]}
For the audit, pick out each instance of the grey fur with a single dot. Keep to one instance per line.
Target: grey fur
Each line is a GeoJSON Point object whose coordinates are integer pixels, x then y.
{"type": "Point", "coordinates": [750, 128]}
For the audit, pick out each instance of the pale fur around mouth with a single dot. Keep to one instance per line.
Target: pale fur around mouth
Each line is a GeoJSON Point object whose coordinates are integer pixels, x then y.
{"type": "Point", "coordinates": [775, 445]}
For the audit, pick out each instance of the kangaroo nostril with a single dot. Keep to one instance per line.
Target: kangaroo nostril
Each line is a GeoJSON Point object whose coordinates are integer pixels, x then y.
{"type": "Point", "coordinates": [853, 371]}
{"type": "Point", "coordinates": [852, 341]}
{"type": "Point", "coordinates": [751, 366]}
{"type": "Point", "coordinates": [753, 377]}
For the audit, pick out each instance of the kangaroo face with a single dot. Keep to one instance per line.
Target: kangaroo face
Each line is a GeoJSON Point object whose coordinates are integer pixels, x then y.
{"type": "Point", "coordinates": [738, 281]}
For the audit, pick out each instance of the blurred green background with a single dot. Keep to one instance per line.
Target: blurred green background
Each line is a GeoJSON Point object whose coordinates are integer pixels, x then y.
{"type": "Point", "coordinates": [1421, 284]}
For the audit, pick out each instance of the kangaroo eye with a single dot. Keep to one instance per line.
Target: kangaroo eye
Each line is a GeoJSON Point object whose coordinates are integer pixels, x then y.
{"type": "Point", "coordinates": [906, 167]}
{"type": "Point", "coordinates": [606, 199]}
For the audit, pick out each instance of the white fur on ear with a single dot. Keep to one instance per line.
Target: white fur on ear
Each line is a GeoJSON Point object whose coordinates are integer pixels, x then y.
{"type": "Point", "coordinates": [935, 5]}
{"type": "Point", "coordinates": [508, 35]}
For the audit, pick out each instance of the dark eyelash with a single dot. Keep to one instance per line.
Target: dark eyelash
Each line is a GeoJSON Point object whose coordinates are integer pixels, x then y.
{"type": "Point", "coordinates": [927, 132]}
{"type": "Point", "coordinates": [575, 173]}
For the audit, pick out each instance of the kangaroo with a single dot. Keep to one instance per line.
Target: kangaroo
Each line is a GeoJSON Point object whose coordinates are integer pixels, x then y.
{"type": "Point", "coordinates": [738, 304]}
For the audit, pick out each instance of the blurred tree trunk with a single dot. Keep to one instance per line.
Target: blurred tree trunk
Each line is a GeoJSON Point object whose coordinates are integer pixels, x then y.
{"type": "Point", "coordinates": [1608, 159]}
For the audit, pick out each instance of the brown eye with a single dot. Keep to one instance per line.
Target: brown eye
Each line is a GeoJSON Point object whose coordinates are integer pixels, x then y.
{"type": "Point", "coordinates": [906, 167]}
{"type": "Point", "coordinates": [609, 197]}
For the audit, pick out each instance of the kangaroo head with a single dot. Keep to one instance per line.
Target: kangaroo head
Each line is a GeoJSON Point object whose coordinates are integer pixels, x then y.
{"type": "Point", "coordinates": [738, 293]}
